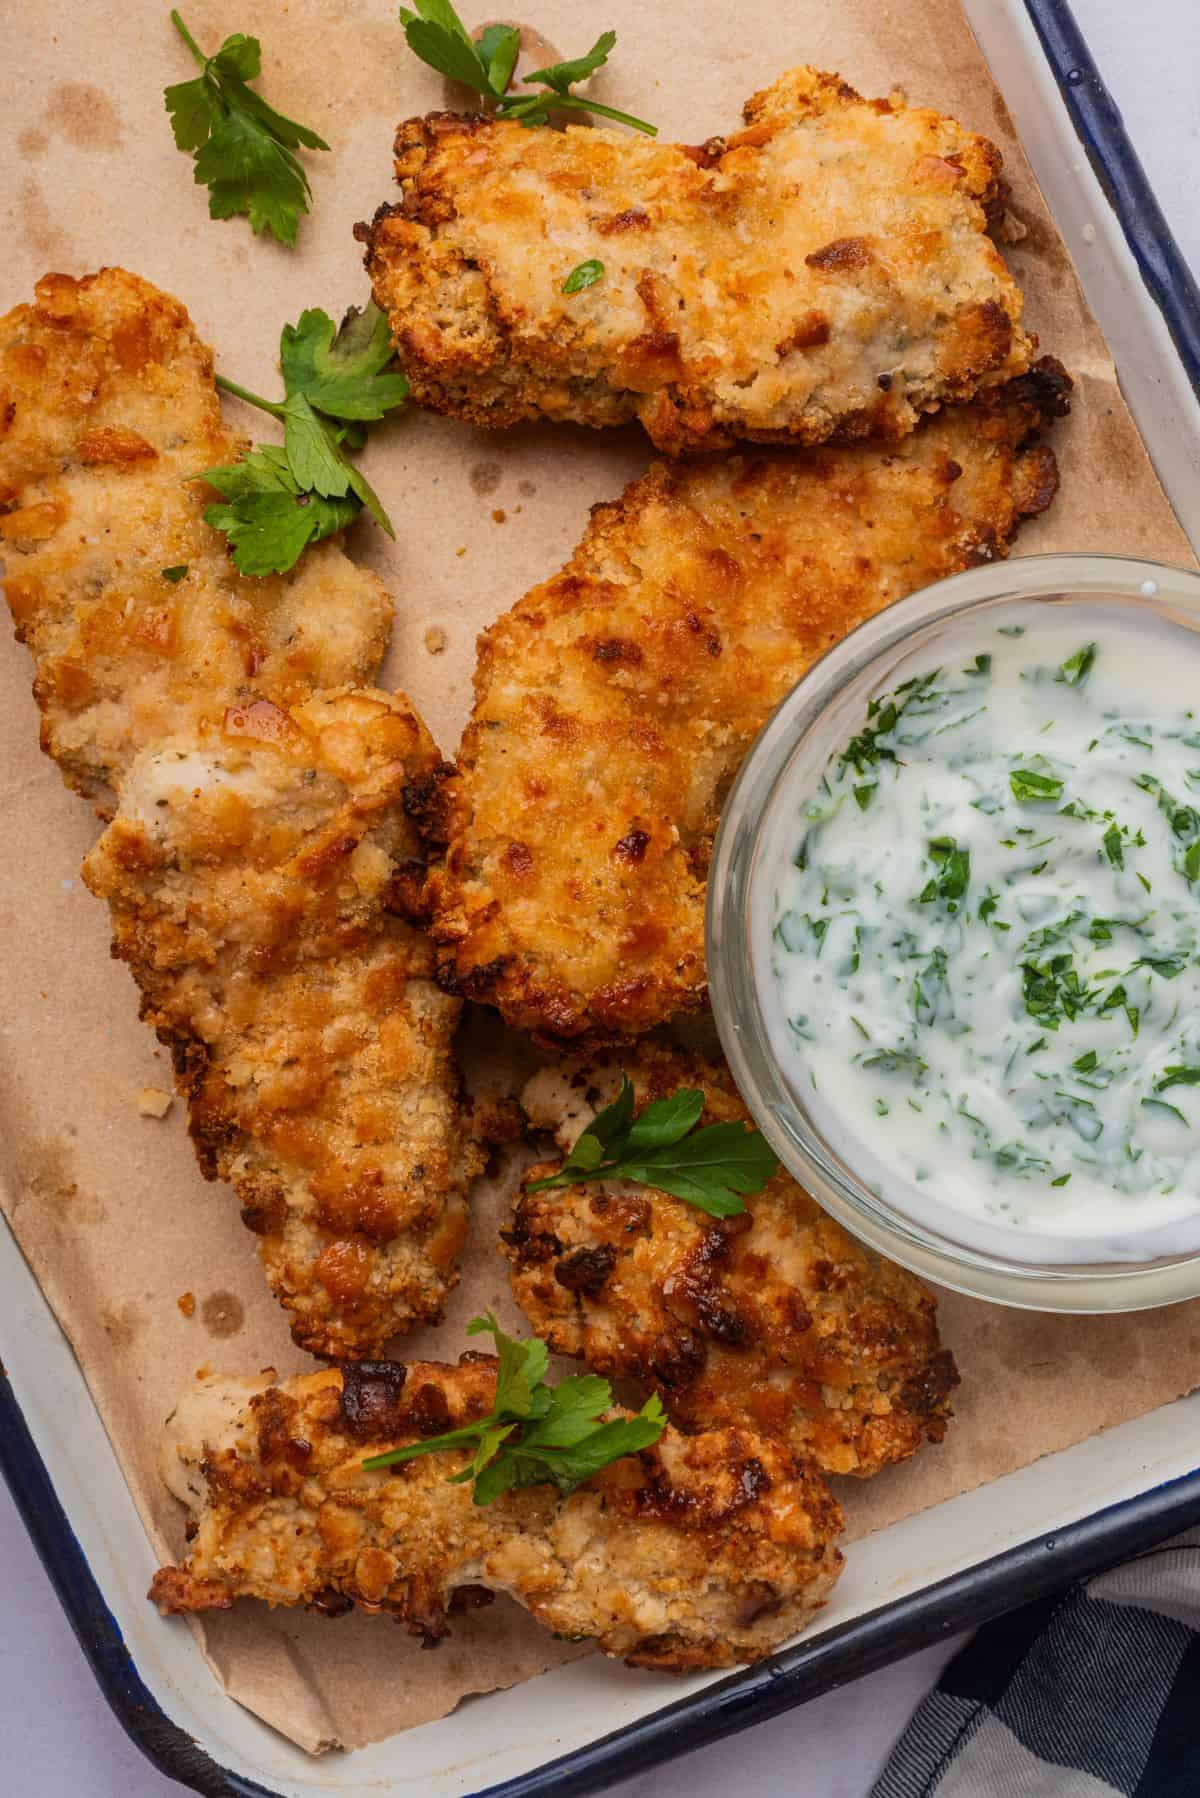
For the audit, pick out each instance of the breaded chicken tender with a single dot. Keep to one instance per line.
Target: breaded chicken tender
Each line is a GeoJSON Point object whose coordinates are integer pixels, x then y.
{"type": "Point", "coordinates": [824, 273]}
{"type": "Point", "coordinates": [614, 703]}
{"type": "Point", "coordinates": [262, 876]}
{"type": "Point", "coordinates": [774, 1320]}
{"type": "Point", "coordinates": [107, 413]}
{"type": "Point", "coordinates": [699, 1552]}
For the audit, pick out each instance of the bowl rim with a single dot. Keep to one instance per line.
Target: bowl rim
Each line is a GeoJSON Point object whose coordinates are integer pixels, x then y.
{"type": "Point", "coordinates": [1152, 587]}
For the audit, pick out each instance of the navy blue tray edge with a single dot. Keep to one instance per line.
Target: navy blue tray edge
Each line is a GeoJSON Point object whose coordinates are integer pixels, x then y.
{"type": "Point", "coordinates": [965, 1601]}
{"type": "Point", "coordinates": [96, 1629]}
{"type": "Point", "coordinates": [986, 1590]}
{"type": "Point", "coordinates": [1101, 131]}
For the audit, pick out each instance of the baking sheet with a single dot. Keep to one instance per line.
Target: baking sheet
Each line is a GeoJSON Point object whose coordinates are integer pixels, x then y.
{"type": "Point", "coordinates": [108, 1205]}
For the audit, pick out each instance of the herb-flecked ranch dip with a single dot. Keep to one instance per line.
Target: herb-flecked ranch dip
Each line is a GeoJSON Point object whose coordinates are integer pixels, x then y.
{"type": "Point", "coordinates": [984, 955]}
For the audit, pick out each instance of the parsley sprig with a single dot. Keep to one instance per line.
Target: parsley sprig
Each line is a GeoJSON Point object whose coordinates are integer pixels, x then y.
{"type": "Point", "coordinates": [244, 151]}
{"type": "Point", "coordinates": [279, 499]}
{"type": "Point", "coordinates": [536, 1434]}
{"type": "Point", "coordinates": [438, 36]}
{"type": "Point", "coordinates": [711, 1168]}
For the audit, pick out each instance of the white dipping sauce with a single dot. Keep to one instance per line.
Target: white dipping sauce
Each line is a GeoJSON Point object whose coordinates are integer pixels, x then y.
{"type": "Point", "coordinates": [982, 976]}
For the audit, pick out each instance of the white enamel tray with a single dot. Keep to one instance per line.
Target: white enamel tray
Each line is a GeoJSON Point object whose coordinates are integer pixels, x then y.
{"type": "Point", "coordinates": [584, 1725]}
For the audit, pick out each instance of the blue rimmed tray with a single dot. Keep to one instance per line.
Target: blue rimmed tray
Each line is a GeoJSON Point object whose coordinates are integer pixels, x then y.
{"type": "Point", "coordinates": [972, 1558]}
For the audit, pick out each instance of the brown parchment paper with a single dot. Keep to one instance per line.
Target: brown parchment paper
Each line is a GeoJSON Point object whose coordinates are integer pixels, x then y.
{"type": "Point", "coordinates": [106, 1204]}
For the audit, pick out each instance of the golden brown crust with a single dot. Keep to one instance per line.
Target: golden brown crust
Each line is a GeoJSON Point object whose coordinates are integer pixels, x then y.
{"type": "Point", "coordinates": [107, 412]}
{"type": "Point", "coordinates": [614, 703]}
{"type": "Point", "coordinates": [264, 877]}
{"type": "Point", "coordinates": [254, 873]}
{"type": "Point", "coordinates": [699, 1552]}
{"type": "Point", "coordinates": [775, 1320]}
{"type": "Point", "coordinates": [824, 273]}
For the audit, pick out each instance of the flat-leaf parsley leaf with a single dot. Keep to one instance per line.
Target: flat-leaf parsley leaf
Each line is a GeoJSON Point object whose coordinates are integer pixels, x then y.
{"type": "Point", "coordinates": [536, 1434]}
{"type": "Point", "coordinates": [711, 1168]}
{"type": "Point", "coordinates": [243, 150]}
{"type": "Point", "coordinates": [279, 500]}
{"type": "Point", "coordinates": [437, 35]}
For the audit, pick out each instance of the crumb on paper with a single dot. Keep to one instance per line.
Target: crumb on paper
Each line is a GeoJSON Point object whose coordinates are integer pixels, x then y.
{"type": "Point", "coordinates": [187, 1303]}
{"type": "Point", "coordinates": [435, 639]}
{"type": "Point", "coordinates": [499, 515]}
{"type": "Point", "coordinates": [462, 551]}
{"type": "Point", "coordinates": [1011, 228]}
{"type": "Point", "coordinates": [153, 1102]}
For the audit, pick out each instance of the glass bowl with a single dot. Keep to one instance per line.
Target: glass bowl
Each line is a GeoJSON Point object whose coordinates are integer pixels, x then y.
{"type": "Point", "coordinates": [808, 727]}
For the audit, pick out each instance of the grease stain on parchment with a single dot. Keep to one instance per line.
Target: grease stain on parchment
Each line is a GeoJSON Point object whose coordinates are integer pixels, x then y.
{"type": "Point", "coordinates": [38, 228]}
{"type": "Point", "coordinates": [47, 1179]}
{"type": "Point", "coordinates": [84, 115]}
{"type": "Point", "coordinates": [121, 1324]}
{"type": "Point", "coordinates": [1041, 243]}
{"type": "Point", "coordinates": [222, 1314]}
{"type": "Point", "coordinates": [485, 477]}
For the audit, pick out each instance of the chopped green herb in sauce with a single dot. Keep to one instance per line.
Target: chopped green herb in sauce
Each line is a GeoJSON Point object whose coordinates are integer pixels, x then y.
{"type": "Point", "coordinates": [989, 951]}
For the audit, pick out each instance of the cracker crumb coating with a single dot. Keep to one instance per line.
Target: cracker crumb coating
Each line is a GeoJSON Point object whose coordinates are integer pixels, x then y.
{"type": "Point", "coordinates": [702, 1551]}
{"type": "Point", "coordinates": [826, 272]}
{"type": "Point", "coordinates": [615, 702]}
{"type": "Point", "coordinates": [775, 1320]}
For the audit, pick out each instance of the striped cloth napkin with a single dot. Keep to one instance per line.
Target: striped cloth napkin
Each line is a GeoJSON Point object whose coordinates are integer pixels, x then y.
{"type": "Point", "coordinates": [1092, 1693]}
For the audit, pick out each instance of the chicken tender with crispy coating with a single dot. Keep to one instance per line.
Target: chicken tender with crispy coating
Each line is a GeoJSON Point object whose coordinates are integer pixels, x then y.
{"type": "Point", "coordinates": [107, 414]}
{"type": "Point", "coordinates": [774, 1320]}
{"type": "Point", "coordinates": [702, 1551]}
{"type": "Point", "coordinates": [262, 876]}
{"type": "Point", "coordinates": [614, 703]}
{"type": "Point", "coordinates": [824, 273]}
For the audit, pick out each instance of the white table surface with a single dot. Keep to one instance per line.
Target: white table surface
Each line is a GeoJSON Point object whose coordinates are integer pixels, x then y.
{"type": "Point", "coordinates": [59, 1737]}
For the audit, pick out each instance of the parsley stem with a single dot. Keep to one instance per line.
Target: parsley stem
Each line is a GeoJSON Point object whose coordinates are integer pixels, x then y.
{"type": "Point", "coordinates": [251, 399]}
{"type": "Point", "coordinates": [607, 1170]}
{"type": "Point", "coordinates": [622, 118]}
{"type": "Point", "coordinates": [470, 1432]}
{"type": "Point", "coordinates": [607, 112]}
{"type": "Point", "coordinates": [188, 39]}
{"type": "Point", "coordinates": [516, 109]}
